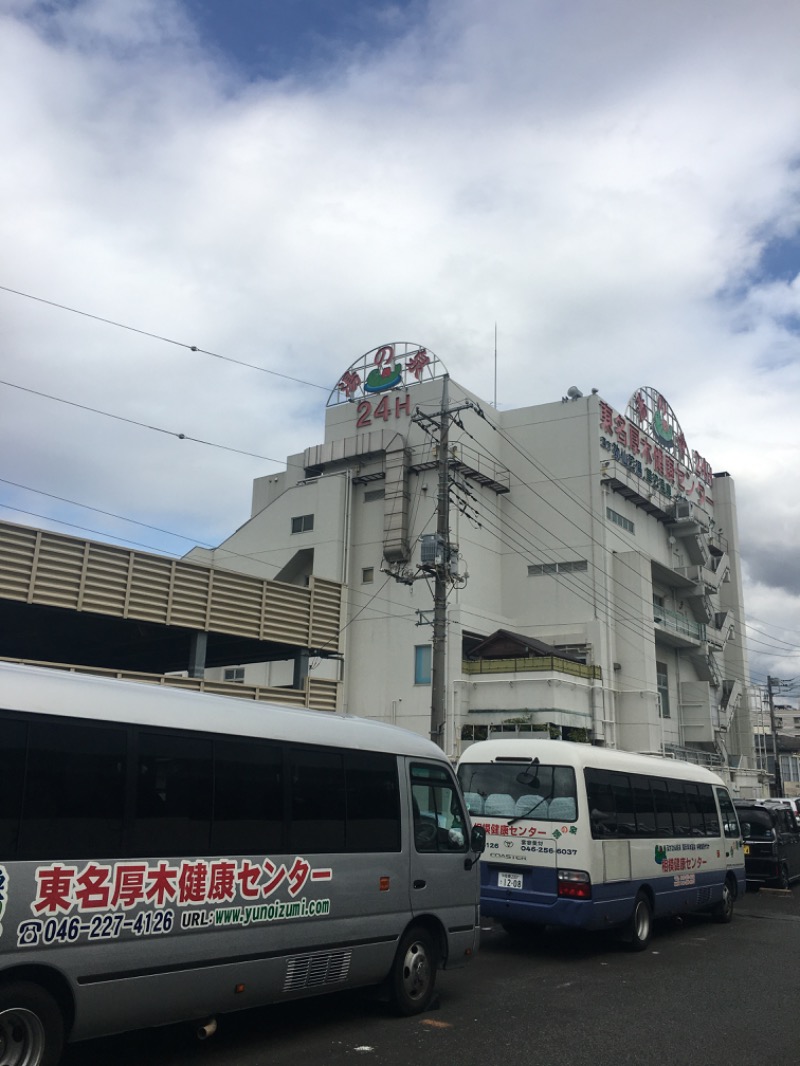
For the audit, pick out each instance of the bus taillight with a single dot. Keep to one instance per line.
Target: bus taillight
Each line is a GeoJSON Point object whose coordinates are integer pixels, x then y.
{"type": "Point", "coordinates": [574, 884]}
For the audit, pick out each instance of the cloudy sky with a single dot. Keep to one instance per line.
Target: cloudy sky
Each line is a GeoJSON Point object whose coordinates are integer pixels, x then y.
{"type": "Point", "coordinates": [286, 184]}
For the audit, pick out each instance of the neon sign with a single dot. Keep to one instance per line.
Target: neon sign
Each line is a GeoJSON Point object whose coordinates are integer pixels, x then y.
{"type": "Point", "coordinates": [649, 441]}
{"type": "Point", "coordinates": [390, 366]}
{"type": "Point", "coordinates": [650, 412]}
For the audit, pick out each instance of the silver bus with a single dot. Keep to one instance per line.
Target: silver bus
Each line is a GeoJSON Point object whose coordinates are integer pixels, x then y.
{"type": "Point", "coordinates": [168, 856]}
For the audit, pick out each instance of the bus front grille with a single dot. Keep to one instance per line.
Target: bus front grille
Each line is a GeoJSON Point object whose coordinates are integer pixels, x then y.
{"type": "Point", "coordinates": [309, 971]}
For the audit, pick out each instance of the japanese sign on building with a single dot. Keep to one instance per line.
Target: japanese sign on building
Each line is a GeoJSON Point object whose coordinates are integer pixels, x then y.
{"type": "Point", "coordinates": [391, 366]}
{"type": "Point", "coordinates": [650, 443]}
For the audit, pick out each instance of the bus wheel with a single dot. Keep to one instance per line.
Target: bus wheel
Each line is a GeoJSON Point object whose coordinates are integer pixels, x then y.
{"type": "Point", "coordinates": [413, 977]}
{"type": "Point", "coordinates": [640, 926]}
{"type": "Point", "coordinates": [31, 1026]}
{"type": "Point", "coordinates": [723, 911]}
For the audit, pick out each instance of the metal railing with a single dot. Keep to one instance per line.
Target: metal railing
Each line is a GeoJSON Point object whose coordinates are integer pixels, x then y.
{"type": "Point", "coordinates": [679, 623]}
{"type": "Point", "coordinates": [538, 665]}
{"type": "Point", "coordinates": [319, 694]}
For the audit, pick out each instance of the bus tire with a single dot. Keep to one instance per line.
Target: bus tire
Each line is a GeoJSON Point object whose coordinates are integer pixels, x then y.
{"type": "Point", "coordinates": [640, 926]}
{"type": "Point", "coordinates": [31, 1025]}
{"type": "Point", "coordinates": [412, 981]}
{"type": "Point", "coordinates": [723, 911]}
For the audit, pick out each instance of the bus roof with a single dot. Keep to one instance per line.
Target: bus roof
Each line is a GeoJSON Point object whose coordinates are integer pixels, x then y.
{"type": "Point", "coordinates": [45, 690]}
{"type": "Point", "coordinates": [568, 753]}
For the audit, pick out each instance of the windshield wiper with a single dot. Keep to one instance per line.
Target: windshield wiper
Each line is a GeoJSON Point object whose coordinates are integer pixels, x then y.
{"type": "Point", "coordinates": [543, 800]}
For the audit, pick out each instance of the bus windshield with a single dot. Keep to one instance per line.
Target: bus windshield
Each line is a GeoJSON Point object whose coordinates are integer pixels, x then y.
{"type": "Point", "coordinates": [520, 790]}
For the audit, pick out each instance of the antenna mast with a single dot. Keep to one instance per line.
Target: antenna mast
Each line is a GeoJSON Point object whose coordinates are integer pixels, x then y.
{"type": "Point", "coordinates": [495, 366]}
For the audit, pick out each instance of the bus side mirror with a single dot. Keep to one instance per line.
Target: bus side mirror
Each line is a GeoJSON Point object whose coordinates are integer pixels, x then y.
{"type": "Point", "coordinates": [477, 843]}
{"type": "Point", "coordinates": [477, 840]}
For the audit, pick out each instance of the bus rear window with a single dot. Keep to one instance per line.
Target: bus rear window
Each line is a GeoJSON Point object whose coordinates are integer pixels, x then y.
{"type": "Point", "coordinates": [519, 791]}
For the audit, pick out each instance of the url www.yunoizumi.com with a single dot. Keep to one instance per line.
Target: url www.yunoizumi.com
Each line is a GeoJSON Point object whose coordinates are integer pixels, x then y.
{"type": "Point", "coordinates": [276, 911]}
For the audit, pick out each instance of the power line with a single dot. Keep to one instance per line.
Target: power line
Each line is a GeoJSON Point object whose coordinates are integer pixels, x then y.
{"type": "Point", "coordinates": [352, 593]}
{"type": "Point", "coordinates": [141, 425]}
{"type": "Point", "coordinates": [632, 622]}
{"type": "Point", "coordinates": [98, 510]}
{"type": "Point", "coordinates": [166, 340]}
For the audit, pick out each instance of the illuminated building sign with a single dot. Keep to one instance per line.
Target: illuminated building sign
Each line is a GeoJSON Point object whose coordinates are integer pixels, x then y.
{"type": "Point", "coordinates": [649, 441]}
{"type": "Point", "coordinates": [391, 366]}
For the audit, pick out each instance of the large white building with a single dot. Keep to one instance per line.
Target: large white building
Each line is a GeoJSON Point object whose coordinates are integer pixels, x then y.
{"type": "Point", "coordinates": [595, 590]}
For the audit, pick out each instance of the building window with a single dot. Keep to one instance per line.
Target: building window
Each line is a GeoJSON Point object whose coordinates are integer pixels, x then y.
{"type": "Point", "coordinates": [620, 520]}
{"type": "Point", "coordinates": [571, 567]}
{"type": "Point", "coordinates": [234, 673]}
{"type": "Point", "coordinates": [662, 681]}
{"type": "Point", "coordinates": [303, 523]}
{"type": "Point", "coordinates": [367, 575]}
{"type": "Point", "coordinates": [374, 494]}
{"type": "Point", "coordinates": [423, 654]}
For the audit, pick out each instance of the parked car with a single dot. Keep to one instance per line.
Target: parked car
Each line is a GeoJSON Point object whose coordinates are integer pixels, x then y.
{"type": "Point", "coordinates": [771, 844]}
{"type": "Point", "coordinates": [791, 802]}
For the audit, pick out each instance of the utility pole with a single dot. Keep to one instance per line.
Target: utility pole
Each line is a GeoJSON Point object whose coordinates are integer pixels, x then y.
{"type": "Point", "coordinates": [439, 554]}
{"type": "Point", "coordinates": [441, 575]}
{"type": "Point", "coordinates": [778, 785]}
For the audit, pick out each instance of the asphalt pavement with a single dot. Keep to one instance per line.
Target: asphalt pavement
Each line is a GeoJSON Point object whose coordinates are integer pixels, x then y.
{"type": "Point", "coordinates": [702, 994]}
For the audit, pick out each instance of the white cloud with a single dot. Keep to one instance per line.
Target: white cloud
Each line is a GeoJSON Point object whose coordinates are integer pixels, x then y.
{"type": "Point", "coordinates": [589, 176]}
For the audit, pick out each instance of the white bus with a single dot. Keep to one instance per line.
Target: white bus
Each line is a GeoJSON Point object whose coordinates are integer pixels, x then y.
{"type": "Point", "coordinates": [594, 838]}
{"type": "Point", "coordinates": [168, 856]}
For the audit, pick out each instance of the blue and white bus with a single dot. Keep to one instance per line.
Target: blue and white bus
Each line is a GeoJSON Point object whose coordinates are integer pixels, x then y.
{"type": "Point", "coordinates": [595, 838]}
{"type": "Point", "coordinates": [168, 856]}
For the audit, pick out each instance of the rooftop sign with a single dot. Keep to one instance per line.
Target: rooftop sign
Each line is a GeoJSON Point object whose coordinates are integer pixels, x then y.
{"type": "Point", "coordinates": [391, 366]}
{"type": "Point", "coordinates": [648, 410]}
{"type": "Point", "coordinates": [649, 441]}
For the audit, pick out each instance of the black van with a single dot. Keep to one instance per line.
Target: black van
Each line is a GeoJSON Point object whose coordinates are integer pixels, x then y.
{"type": "Point", "coordinates": [771, 844]}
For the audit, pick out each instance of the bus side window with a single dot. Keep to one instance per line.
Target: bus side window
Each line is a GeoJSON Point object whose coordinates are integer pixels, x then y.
{"type": "Point", "coordinates": [602, 807]}
{"type": "Point", "coordinates": [13, 739]}
{"type": "Point", "coordinates": [696, 822]}
{"type": "Point", "coordinates": [439, 822]}
{"type": "Point", "coordinates": [318, 802]}
{"type": "Point", "coordinates": [373, 802]}
{"type": "Point", "coordinates": [680, 812]}
{"type": "Point", "coordinates": [74, 791]}
{"type": "Point", "coordinates": [173, 795]}
{"type": "Point", "coordinates": [645, 807]}
{"type": "Point", "coordinates": [626, 812]}
{"type": "Point", "coordinates": [710, 818]}
{"type": "Point", "coordinates": [730, 822]}
{"type": "Point", "coordinates": [248, 797]}
{"type": "Point", "coordinates": [664, 826]}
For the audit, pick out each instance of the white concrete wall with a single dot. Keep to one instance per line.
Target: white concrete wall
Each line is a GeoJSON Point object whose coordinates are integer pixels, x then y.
{"type": "Point", "coordinates": [555, 512]}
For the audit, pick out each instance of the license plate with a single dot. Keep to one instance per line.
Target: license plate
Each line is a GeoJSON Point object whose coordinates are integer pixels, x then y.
{"type": "Point", "coordinates": [505, 880]}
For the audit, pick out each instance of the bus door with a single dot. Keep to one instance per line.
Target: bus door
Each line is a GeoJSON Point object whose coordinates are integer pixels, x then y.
{"type": "Point", "coordinates": [442, 879]}
{"type": "Point", "coordinates": [734, 851]}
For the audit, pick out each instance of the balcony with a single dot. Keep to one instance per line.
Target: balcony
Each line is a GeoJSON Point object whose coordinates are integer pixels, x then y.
{"type": "Point", "coordinates": [678, 630]}
{"type": "Point", "coordinates": [540, 664]}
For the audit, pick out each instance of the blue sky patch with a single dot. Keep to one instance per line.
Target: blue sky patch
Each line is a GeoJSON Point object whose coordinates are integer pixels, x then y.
{"type": "Point", "coordinates": [274, 39]}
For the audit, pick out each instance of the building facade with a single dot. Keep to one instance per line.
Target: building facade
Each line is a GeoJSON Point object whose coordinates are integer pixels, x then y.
{"type": "Point", "coordinates": [595, 533]}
